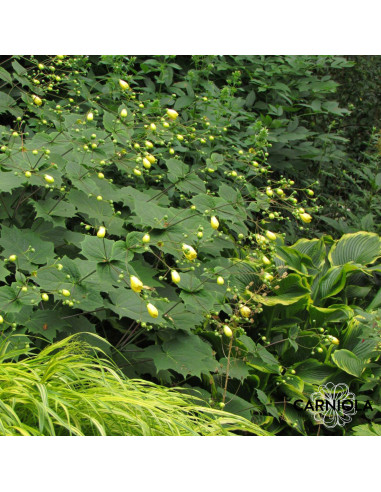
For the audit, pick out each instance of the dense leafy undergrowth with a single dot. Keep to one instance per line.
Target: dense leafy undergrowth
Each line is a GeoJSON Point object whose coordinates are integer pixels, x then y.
{"type": "Point", "coordinates": [154, 219]}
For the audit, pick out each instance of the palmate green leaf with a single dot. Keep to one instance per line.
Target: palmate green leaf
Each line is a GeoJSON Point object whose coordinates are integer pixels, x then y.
{"type": "Point", "coordinates": [17, 241]}
{"type": "Point", "coordinates": [129, 195]}
{"type": "Point", "coordinates": [361, 247]}
{"type": "Point", "coordinates": [259, 365]}
{"type": "Point", "coordinates": [103, 250]}
{"type": "Point", "coordinates": [191, 184]}
{"type": "Point", "coordinates": [230, 212]}
{"type": "Point", "coordinates": [348, 362]}
{"type": "Point", "coordinates": [127, 303]}
{"type": "Point", "coordinates": [47, 323]}
{"type": "Point", "coordinates": [238, 369]}
{"type": "Point", "coordinates": [230, 194]}
{"type": "Point", "coordinates": [204, 202]}
{"type": "Point", "coordinates": [184, 319]}
{"type": "Point", "coordinates": [185, 354]}
{"type": "Point", "coordinates": [170, 240]}
{"type": "Point", "coordinates": [144, 272]}
{"type": "Point", "coordinates": [9, 182]}
{"type": "Point", "coordinates": [4, 272]}
{"type": "Point", "coordinates": [52, 279]}
{"type": "Point", "coordinates": [183, 102]}
{"type": "Point", "coordinates": [58, 236]}
{"type": "Point", "coordinates": [118, 128]}
{"type": "Point", "coordinates": [51, 209]}
{"type": "Point", "coordinates": [6, 76]}
{"type": "Point", "coordinates": [13, 300]}
{"type": "Point", "coordinates": [9, 301]}
{"type": "Point", "coordinates": [89, 298]}
{"type": "Point", "coordinates": [6, 102]}
{"type": "Point", "coordinates": [176, 170]}
{"type": "Point", "coordinates": [267, 357]}
{"type": "Point", "coordinates": [261, 359]}
{"type": "Point", "coordinates": [204, 300]}
{"type": "Point", "coordinates": [150, 215]}
{"type": "Point", "coordinates": [190, 282]}
{"type": "Point", "coordinates": [90, 206]}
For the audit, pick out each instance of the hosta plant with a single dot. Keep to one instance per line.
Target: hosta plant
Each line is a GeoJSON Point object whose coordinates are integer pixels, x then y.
{"type": "Point", "coordinates": [319, 322]}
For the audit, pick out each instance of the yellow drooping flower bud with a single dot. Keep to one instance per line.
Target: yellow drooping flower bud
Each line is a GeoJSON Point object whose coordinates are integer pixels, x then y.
{"type": "Point", "coordinates": [146, 163]}
{"type": "Point", "coordinates": [266, 261]}
{"type": "Point", "coordinates": [151, 158]}
{"type": "Point", "coordinates": [189, 252]}
{"type": "Point", "coordinates": [172, 114]}
{"type": "Point", "coordinates": [335, 341]}
{"type": "Point", "coordinates": [245, 311]}
{"type": "Point", "coordinates": [227, 331]}
{"type": "Point", "coordinates": [220, 281]}
{"type": "Point", "coordinates": [90, 117]}
{"type": "Point", "coordinates": [175, 277]}
{"type": "Point", "coordinates": [306, 218]}
{"type": "Point", "coordinates": [49, 179]}
{"type": "Point", "coordinates": [136, 284]}
{"type": "Point", "coordinates": [101, 232]}
{"type": "Point", "coordinates": [214, 222]}
{"type": "Point", "coordinates": [123, 84]}
{"type": "Point", "coordinates": [267, 276]}
{"type": "Point", "coordinates": [146, 238]}
{"type": "Point", "coordinates": [123, 113]}
{"type": "Point", "coordinates": [152, 311]}
{"type": "Point", "coordinates": [37, 101]}
{"type": "Point", "coordinates": [270, 235]}
{"type": "Point", "coordinates": [66, 292]}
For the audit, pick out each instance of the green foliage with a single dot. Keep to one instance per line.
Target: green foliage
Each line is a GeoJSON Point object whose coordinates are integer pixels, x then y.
{"type": "Point", "coordinates": [319, 112]}
{"type": "Point", "coordinates": [69, 389]}
{"type": "Point", "coordinates": [359, 202]}
{"type": "Point", "coordinates": [90, 169]}
{"type": "Point", "coordinates": [322, 325]}
{"type": "Point", "coordinates": [104, 194]}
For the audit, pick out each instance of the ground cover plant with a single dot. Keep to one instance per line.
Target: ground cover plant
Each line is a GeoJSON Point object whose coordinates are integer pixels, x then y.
{"type": "Point", "coordinates": [137, 202]}
{"type": "Point", "coordinates": [69, 389]}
